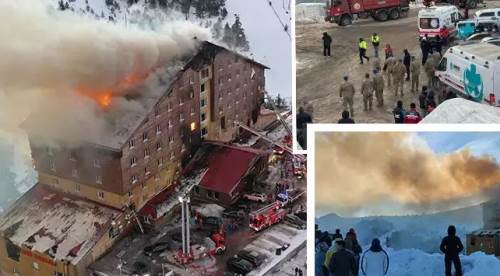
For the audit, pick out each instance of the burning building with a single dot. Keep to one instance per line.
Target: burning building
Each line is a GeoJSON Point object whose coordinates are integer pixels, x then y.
{"type": "Point", "coordinates": [487, 239]}
{"type": "Point", "coordinates": [108, 180]}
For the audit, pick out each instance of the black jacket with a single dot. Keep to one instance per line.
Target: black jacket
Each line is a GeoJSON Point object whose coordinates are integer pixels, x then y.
{"type": "Point", "coordinates": [346, 121]}
{"type": "Point", "coordinates": [422, 100]}
{"type": "Point", "coordinates": [399, 115]}
{"type": "Point", "coordinates": [407, 59]}
{"type": "Point", "coordinates": [303, 119]}
{"type": "Point", "coordinates": [342, 263]}
{"type": "Point", "coordinates": [327, 40]}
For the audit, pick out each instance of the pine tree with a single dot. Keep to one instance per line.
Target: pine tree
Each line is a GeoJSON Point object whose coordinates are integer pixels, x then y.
{"type": "Point", "coordinates": [217, 29]}
{"type": "Point", "coordinates": [61, 5]}
{"type": "Point", "coordinates": [240, 39]}
{"type": "Point", "coordinates": [228, 35]}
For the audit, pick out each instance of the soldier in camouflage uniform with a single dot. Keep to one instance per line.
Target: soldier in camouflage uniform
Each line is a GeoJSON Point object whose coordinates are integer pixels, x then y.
{"type": "Point", "coordinates": [347, 95]}
{"type": "Point", "coordinates": [378, 86]}
{"type": "Point", "coordinates": [415, 74]}
{"type": "Point", "coordinates": [398, 74]}
{"type": "Point", "coordinates": [367, 92]}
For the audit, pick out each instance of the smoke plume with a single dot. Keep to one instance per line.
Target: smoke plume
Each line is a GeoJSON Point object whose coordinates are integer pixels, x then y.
{"type": "Point", "coordinates": [389, 173]}
{"type": "Point", "coordinates": [60, 66]}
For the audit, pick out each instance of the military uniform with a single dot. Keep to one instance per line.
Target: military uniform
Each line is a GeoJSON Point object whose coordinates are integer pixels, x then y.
{"type": "Point", "coordinates": [429, 70]}
{"type": "Point", "coordinates": [378, 86]}
{"type": "Point", "coordinates": [347, 94]}
{"type": "Point", "coordinates": [398, 74]}
{"type": "Point", "coordinates": [415, 75]}
{"type": "Point", "coordinates": [388, 67]}
{"type": "Point", "coordinates": [367, 91]}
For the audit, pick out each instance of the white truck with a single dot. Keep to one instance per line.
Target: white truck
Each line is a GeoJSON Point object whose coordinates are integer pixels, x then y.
{"type": "Point", "coordinates": [472, 71]}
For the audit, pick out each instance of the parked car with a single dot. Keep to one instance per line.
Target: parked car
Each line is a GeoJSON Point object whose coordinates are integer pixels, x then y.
{"type": "Point", "coordinates": [253, 257]}
{"type": "Point", "coordinates": [262, 198]}
{"type": "Point", "coordinates": [233, 214]}
{"type": "Point", "coordinates": [156, 248]}
{"type": "Point", "coordinates": [239, 265]}
{"type": "Point", "coordinates": [295, 221]}
{"type": "Point", "coordinates": [212, 223]}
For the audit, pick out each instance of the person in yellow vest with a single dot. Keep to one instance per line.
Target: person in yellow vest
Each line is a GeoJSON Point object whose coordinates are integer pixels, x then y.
{"type": "Point", "coordinates": [375, 43]}
{"type": "Point", "coordinates": [363, 46]}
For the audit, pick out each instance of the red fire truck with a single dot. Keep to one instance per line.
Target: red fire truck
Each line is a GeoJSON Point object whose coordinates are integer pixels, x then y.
{"type": "Point", "coordinates": [267, 216]}
{"type": "Point", "coordinates": [342, 12]}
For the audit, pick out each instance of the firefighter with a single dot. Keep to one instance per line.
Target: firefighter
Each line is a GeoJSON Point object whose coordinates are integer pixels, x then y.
{"type": "Point", "coordinates": [347, 95]}
{"type": "Point", "coordinates": [389, 64]}
{"type": "Point", "coordinates": [398, 75]}
{"type": "Point", "coordinates": [378, 85]}
{"type": "Point", "coordinates": [363, 46]}
{"type": "Point", "coordinates": [375, 43]}
{"type": "Point", "coordinates": [367, 92]}
{"type": "Point", "coordinates": [415, 74]}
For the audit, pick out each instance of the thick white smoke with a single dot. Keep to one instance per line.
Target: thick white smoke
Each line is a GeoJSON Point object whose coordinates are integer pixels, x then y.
{"type": "Point", "coordinates": [50, 58]}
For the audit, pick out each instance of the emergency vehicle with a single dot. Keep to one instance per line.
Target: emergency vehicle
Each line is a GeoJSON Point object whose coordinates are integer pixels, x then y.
{"type": "Point", "coordinates": [473, 71]}
{"type": "Point", "coordinates": [439, 21]}
{"type": "Point", "coordinates": [267, 216]}
{"type": "Point", "coordinates": [289, 196]}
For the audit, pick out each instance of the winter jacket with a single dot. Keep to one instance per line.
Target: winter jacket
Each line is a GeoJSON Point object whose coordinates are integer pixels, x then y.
{"type": "Point", "coordinates": [346, 121]}
{"type": "Point", "coordinates": [330, 252]}
{"type": "Point", "coordinates": [451, 245]}
{"type": "Point", "coordinates": [327, 40]}
{"type": "Point", "coordinates": [303, 119]}
{"type": "Point", "coordinates": [321, 249]}
{"type": "Point", "coordinates": [399, 115]}
{"type": "Point", "coordinates": [367, 87]}
{"type": "Point", "coordinates": [342, 263]}
{"type": "Point", "coordinates": [375, 263]}
{"type": "Point", "coordinates": [407, 59]}
{"type": "Point", "coordinates": [412, 117]}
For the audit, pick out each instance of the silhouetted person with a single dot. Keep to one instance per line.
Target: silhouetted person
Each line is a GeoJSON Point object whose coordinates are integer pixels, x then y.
{"type": "Point", "coordinates": [327, 44]}
{"type": "Point", "coordinates": [337, 235]}
{"type": "Point", "coordinates": [346, 119]}
{"type": "Point", "coordinates": [303, 119]}
{"type": "Point", "coordinates": [343, 262]}
{"type": "Point", "coordinates": [451, 246]}
{"type": "Point", "coordinates": [399, 113]}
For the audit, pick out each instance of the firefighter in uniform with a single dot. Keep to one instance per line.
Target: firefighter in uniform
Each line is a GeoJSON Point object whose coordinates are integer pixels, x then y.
{"type": "Point", "coordinates": [378, 86]}
{"type": "Point", "coordinates": [415, 74]}
{"type": "Point", "coordinates": [367, 91]}
{"type": "Point", "coordinates": [376, 43]}
{"type": "Point", "coordinates": [363, 46]}
{"type": "Point", "coordinates": [347, 95]}
{"type": "Point", "coordinates": [389, 64]}
{"type": "Point", "coordinates": [398, 75]}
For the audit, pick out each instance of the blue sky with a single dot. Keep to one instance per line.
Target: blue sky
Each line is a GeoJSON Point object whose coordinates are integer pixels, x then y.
{"type": "Point", "coordinates": [478, 142]}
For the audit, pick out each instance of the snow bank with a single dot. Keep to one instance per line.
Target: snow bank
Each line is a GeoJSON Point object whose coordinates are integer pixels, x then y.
{"type": "Point", "coordinates": [210, 210]}
{"type": "Point", "coordinates": [463, 111]}
{"type": "Point", "coordinates": [306, 13]}
{"type": "Point", "coordinates": [413, 262]}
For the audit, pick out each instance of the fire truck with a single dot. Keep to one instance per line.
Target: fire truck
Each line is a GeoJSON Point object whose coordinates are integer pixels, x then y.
{"type": "Point", "coordinates": [267, 216]}
{"type": "Point", "coordinates": [343, 12]}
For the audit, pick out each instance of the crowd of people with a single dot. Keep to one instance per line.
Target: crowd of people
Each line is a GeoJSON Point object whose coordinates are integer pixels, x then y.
{"type": "Point", "coordinates": [338, 256]}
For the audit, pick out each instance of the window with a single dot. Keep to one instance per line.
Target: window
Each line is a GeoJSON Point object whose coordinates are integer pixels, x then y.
{"type": "Point", "coordinates": [158, 129]}
{"type": "Point", "coordinates": [202, 102]}
{"type": "Point", "coordinates": [97, 163]}
{"type": "Point", "coordinates": [169, 107]}
{"type": "Point", "coordinates": [223, 122]}
{"type": "Point", "coordinates": [210, 194]}
{"type": "Point", "coordinates": [159, 162]}
{"type": "Point", "coordinates": [181, 102]}
{"type": "Point", "coordinates": [170, 124]}
{"type": "Point", "coordinates": [487, 14]}
{"type": "Point", "coordinates": [131, 143]}
{"type": "Point", "coordinates": [171, 139]}
{"type": "Point", "coordinates": [429, 23]}
{"type": "Point", "coordinates": [74, 173]}
{"type": "Point", "coordinates": [202, 87]}
{"type": "Point", "coordinates": [100, 194]}
{"type": "Point", "coordinates": [158, 146]}
{"type": "Point", "coordinates": [77, 188]}
{"type": "Point", "coordinates": [193, 126]}
{"type": "Point", "coordinates": [133, 162]}
{"type": "Point", "coordinates": [35, 266]}
{"type": "Point", "coordinates": [442, 65]}
{"type": "Point", "coordinates": [146, 153]}
{"type": "Point", "coordinates": [203, 117]}
{"type": "Point", "coordinates": [145, 136]}
{"type": "Point", "coordinates": [220, 81]}
{"type": "Point", "coordinates": [98, 179]}
{"type": "Point", "coordinates": [134, 179]}
{"type": "Point", "coordinates": [52, 165]}
{"type": "Point", "coordinates": [204, 73]}
{"type": "Point", "coordinates": [229, 77]}
{"type": "Point", "coordinates": [72, 155]}
{"type": "Point", "coordinates": [204, 131]}
{"type": "Point", "coordinates": [181, 117]}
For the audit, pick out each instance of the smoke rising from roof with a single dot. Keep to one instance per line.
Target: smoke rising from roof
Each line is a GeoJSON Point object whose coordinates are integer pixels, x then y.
{"type": "Point", "coordinates": [392, 173]}
{"type": "Point", "coordinates": [50, 58]}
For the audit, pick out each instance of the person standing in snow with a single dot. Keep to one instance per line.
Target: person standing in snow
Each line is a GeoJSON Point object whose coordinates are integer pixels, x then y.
{"type": "Point", "coordinates": [451, 246]}
{"type": "Point", "coordinates": [327, 44]}
{"type": "Point", "coordinates": [321, 248]}
{"type": "Point", "coordinates": [329, 254]}
{"type": "Point", "coordinates": [342, 262]}
{"type": "Point", "coordinates": [375, 261]}
{"type": "Point", "coordinates": [351, 243]}
{"type": "Point", "coordinates": [337, 235]}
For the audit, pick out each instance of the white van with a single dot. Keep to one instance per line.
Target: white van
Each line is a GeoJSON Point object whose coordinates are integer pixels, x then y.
{"type": "Point", "coordinates": [487, 17]}
{"type": "Point", "coordinates": [439, 21]}
{"type": "Point", "coordinates": [473, 71]}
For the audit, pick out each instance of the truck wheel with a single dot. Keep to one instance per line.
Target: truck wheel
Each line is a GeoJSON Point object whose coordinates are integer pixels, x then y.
{"type": "Point", "coordinates": [345, 20]}
{"type": "Point", "coordinates": [382, 15]}
{"type": "Point", "coordinates": [394, 14]}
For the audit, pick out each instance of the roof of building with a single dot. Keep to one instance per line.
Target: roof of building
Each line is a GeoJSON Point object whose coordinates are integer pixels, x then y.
{"type": "Point", "coordinates": [59, 225]}
{"type": "Point", "coordinates": [225, 167]}
{"type": "Point", "coordinates": [486, 232]}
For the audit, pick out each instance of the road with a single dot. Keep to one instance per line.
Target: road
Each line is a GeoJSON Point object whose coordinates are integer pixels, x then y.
{"type": "Point", "coordinates": [319, 77]}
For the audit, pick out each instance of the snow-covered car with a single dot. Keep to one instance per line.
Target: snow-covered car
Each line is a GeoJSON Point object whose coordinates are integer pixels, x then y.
{"type": "Point", "coordinates": [262, 198]}
{"type": "Point", "coordinates": [239, 265]}
{"type": "Point", "coordinates": [253, 257]}
{"type": "Point", "coordinates": [295, 221]}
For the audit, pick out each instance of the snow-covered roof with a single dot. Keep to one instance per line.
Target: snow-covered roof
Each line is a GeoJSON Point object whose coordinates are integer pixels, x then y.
{"type": "Point", "coordinates": [463, 111]}
{"type": "Point", "coordinates": [486, 232]}
{"type": "Point", "coordinates": [484, 51]}
{"type": "Point", "coordinates": [55, 224]}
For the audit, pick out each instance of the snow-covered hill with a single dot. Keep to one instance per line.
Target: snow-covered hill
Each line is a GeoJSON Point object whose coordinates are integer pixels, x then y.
{"type": "Point", "coordinates": [412, 242]}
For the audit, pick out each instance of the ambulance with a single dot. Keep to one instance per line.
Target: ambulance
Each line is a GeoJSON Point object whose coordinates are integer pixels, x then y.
{"type": "Point", "coordinates": [472, 71]}
{"type": "Point", "coordinates": [439, 21]}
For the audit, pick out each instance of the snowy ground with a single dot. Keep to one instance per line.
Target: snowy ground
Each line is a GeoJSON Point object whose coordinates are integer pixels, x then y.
{"type": "Point", "coordinates": [412, 242]}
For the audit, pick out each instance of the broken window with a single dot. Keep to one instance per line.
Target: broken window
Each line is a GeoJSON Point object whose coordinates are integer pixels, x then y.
{"type": "Point", "coordinates": [145, 136]}
{"type": "Point", "coordinates": [13, 251]}
{"type": "Point", "coordinates": [131, 143]}
{"type": "Point", "coordinates": [202, 87]}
